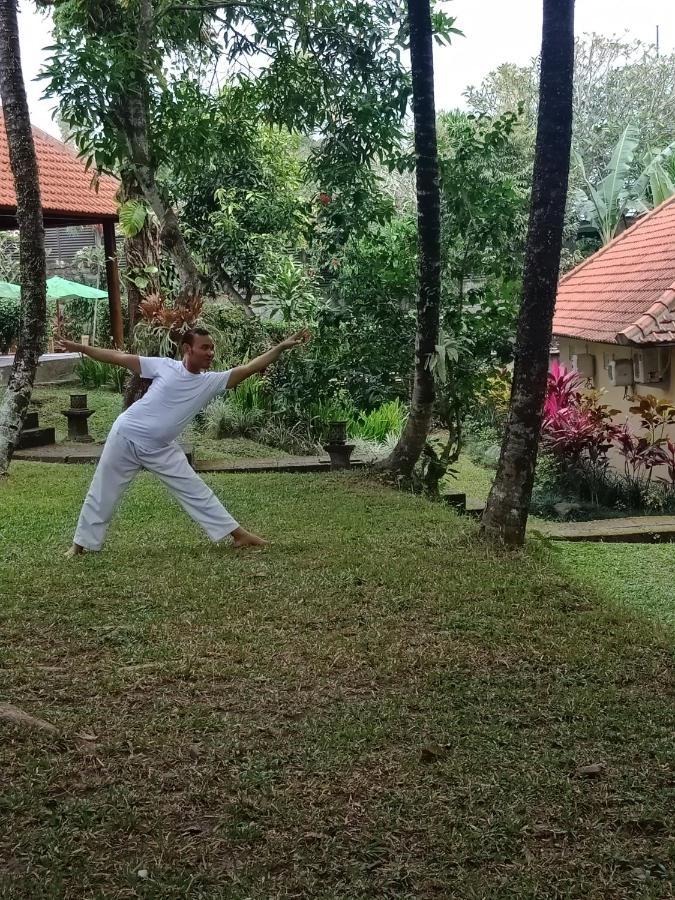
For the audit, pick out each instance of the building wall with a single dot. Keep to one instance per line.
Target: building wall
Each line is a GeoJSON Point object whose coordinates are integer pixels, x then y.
{"type": "Point", "coordinates": [621, 398]}
{"type": "Point", "coordinates": [62, 246]}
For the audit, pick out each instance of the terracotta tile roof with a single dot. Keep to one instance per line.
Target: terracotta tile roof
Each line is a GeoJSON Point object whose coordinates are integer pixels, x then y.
{"type": "Point", "coordinates": [624, 293]}
{"type": "Point", "coordinates": [65, 186]}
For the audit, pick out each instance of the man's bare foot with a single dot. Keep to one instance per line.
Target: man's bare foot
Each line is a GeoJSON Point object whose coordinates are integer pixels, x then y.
{"type": "Point", "coordinates": [242, 538]}
{"type": "Point", "coordinates": [75, 550]}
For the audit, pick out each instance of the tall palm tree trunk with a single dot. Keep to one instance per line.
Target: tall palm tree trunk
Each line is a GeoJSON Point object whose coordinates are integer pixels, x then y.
{"type": "Point", "coordinates": [23, 163]}
{"type": "Point", "coordinates": [407, 451]}
{"type": "Point", "coordinates": [505, 518]}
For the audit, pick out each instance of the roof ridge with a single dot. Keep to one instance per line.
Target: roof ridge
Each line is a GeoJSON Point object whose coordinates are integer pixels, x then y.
{"type": "Point", "coordinates": [617, 239]}
{"type": "Point", "coordinates": [650, 320]}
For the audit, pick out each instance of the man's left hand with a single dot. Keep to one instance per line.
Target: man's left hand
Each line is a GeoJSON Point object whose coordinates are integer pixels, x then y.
{"type": "Point", "coordinates": [296, 340]}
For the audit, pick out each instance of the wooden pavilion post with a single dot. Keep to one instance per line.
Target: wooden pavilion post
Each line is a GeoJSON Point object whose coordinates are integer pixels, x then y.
{"type": "Point", "coordinates": [113, 277]}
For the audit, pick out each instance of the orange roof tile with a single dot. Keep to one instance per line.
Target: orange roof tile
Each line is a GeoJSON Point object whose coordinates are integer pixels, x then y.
{"type": "Point", "coordinates": [624, 293]}
{"type": "Point", "coordinates": [65, 186]}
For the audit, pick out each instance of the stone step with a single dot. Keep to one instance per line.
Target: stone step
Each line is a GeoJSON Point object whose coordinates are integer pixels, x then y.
{"type": "Point", "coordinates": [36, 437]}
{"type": "Point", "coordinates": [31, 421]}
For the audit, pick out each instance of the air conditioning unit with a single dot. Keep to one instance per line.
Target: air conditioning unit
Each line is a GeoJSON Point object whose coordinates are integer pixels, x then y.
{"type": "Point", "coordinates": [584, 364]}
{"type": "Point", "coordinates": [649, 366]}
{"type": "Point", "coordinates": [620, 372]}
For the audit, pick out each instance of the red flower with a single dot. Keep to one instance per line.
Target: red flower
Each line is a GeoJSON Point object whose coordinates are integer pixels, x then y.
{"type": "Point", "coordinates": [325, 198]}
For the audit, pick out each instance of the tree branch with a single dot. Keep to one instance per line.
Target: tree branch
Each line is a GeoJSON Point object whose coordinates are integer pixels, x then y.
{"type": "Point", "coordinates": [210, 7]}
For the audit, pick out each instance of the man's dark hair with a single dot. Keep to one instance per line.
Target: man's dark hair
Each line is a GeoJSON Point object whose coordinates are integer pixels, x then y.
{"type": "Point", "coordinates": [189, 336]}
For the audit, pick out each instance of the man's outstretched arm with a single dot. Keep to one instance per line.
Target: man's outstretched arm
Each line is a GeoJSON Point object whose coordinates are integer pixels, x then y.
{"type": "Point", "coordinates": [260, 363]}
{"type": "Point", "coordinates": [114, 357]}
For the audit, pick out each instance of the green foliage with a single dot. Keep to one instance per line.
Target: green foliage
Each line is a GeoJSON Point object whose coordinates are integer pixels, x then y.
{"type": "Point", "coordinates": [379, 424]}
{"type": "Point", "coordinates": [287, 292]}
{"type": "Point", "coordinates": [483, 442]}
{"type": "Point", "coordinates": [142, 276]}
{"type": "Point", "coordinates": [78, 315]}
{"type": "Point", "coordinates": [484, 203]}
{"type": "Point", "coordinates": [368, 337]}
{"type": "Point", "coordinates": [10, 322]}
{"type": "Point", "coordinates": [94, 374]}
{"type": "Point", "coordinates": [132, 215]}
{"type": "Point", "coordinates": [118, 379]}
{"type": "Point", "coordinates": [328, 68]}
{"type": "Point", "coordinates": [237, 337]}
{"type": "Point", "coordinates": [225, 417]}
{"type": "Point", "coordinates": [250, 394]}
{"type": "Point", "coordinates": [90, 266]}
{"type": "Point", "coordinates": [657, 180]}
{"type": "Point", "coordinates": [605, 203]}
{"type": "Point", "coordinates": [239, 413]}
{"type": "Point", "coordinates": [246, 200]}
{"type": "Point", "coordinates": [339, 408]}
{"type": "Point", "coordinates": [9, 257]}
{"type": "Point", "coordinates": [616, 81]}
{"type": "Point", "coordinates": [348, 206]}
{"type": "Point", "coordinates": [293, 438]}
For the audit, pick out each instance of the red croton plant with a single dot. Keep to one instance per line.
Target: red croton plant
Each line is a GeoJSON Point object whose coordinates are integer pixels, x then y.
{"type": "Point", "coordinates": [579, 431]}
{"type": "Point", "coordinates": [576, 425]}
{"type": "Point", "coordinates": [154, 311]}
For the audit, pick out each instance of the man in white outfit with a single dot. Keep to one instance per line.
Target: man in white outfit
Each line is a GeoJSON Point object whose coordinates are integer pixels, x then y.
{"type": "Point", "coordinates": [144, 436]}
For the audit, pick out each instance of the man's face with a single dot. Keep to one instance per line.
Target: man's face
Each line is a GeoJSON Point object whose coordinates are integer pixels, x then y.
{"type": "Point", "coordinates": [201, 353]}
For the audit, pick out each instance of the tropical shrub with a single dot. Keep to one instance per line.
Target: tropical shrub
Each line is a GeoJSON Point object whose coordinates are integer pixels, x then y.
{"type": "Point", "coordinates": [225, 418]}
{"type": "Point", "coordinates": [287, 292]}
{"type": "Point", "coordinates": [94, 374]}
{"type": "Point", "coordinates": [296, 439]}
{"type": "Point", "coordinates": [377, 425]}
{"type": "Point", "coordinates": [10, 322]}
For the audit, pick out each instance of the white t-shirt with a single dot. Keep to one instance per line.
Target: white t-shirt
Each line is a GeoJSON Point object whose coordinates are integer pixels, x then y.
{"type": "Point", "coordinates": [172, 401]}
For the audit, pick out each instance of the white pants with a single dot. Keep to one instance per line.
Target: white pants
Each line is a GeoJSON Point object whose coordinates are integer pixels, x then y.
{"type": "Point", "coordinates": [120, 462]}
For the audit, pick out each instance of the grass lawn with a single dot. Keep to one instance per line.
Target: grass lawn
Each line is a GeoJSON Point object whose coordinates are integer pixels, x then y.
{"type": "Point", "coordinates": [637, 576]}
{"type": "Point", "coordinates": [49, 401]}
{"type": "Point", "coordinates": [373, 707]}
{"type": "Point", "coordinates": [473, 480]}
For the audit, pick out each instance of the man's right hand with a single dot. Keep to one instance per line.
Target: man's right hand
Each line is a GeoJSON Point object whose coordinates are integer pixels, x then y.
{"type": "Point", "coordinates": [68, 346]}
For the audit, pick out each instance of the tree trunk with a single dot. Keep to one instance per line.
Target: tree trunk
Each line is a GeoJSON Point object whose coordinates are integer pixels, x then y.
{"type": "Point", "coordinates": [142, 251]}
{"type": "Point", "coordinates": [31, 235]}
{"type": "Point", "coordinates": [134, 119]}
{"type": "Point", "coordinates": [505, 518]}
{"type": "Point", "coordinates": [412, 440]}
{"type": "Point", "coordinates": [113, 281]}
{"type": "Point", "coordinates": [136, 128]}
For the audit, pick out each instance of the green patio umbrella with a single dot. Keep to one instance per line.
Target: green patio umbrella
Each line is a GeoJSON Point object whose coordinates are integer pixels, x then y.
{"type": "Point", "coordinates": [63, 289]}
{"type": "Point", "coordinates": [9, 291]}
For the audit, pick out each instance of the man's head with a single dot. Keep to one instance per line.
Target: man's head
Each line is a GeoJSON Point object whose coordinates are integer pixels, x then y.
{"type": "Point", "coordinates": [198, 349]}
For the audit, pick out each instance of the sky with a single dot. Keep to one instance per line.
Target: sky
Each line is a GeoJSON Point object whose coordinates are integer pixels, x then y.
{"type": "Point", "coordinates": [496, 31]}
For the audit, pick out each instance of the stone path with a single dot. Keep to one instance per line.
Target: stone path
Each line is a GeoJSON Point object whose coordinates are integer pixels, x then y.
{"type": "Point", "coordinates": [643, 529]}
{"type": "Point", "coordinates": [61, 453]}
{"type": "Point", "coordinates": [283, 464]}
{"type": "Point", "coordinates": [69, 452]}
{"type": "Point", "coordinates": [637, 530]}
